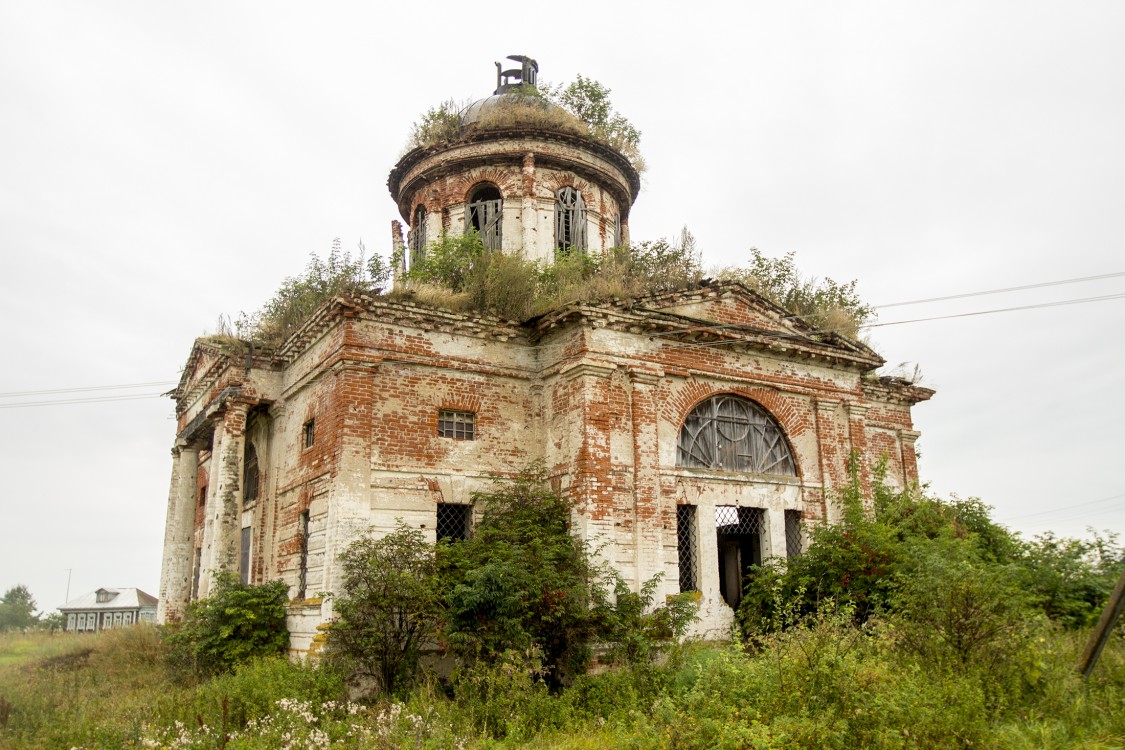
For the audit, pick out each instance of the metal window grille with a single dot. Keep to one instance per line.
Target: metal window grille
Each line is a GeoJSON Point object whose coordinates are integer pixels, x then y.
{"type": "Point", "coordinates": [418, 238]}
{"type": "Point", "coordinates": [687, 547]}
{"type": "Point", "coordinates": [303, 576]}
{"type": "Point", "coordinates": [250, 476]}
{"type": "Point", "coordinates": [310, 433]}
{"type": "Point", "coordinates": [570, 220]}
{"type": "Point", "coordinates": [453, 521]}
{"type": "Point", "coordinates": [733, 434]}
{"type": "Point", "coordinates": [459, 425]}
{"type": "Point", "coordinates": [244, 558]}
{"type": "Point", "coordinates": [732, 520]}
{"type": "Point", "coordinates": [485, 214]}
{"type": "Point", "coordinates": [794, 535]}
{"type": "Point", "coordinates": [197, 567]}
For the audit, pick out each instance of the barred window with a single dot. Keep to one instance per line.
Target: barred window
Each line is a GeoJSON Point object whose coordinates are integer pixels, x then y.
{"type": "Point", "coordinates": [453, 521]}
{"type": "Point", "coordinates": [687, 547]}
{"type": "Point", "coordinates": [250, 476]}
{"type": "Point", "coordinates": [484, 214]}
{"type": "Point", "coordinates": [303, 565]}
{"type": "Point", "coordinates": [794, 536]}
{"type": "Point", "coordinates": [459, 425]}
{"type": "Point", "coordinates": [570, 220]}
{"type": "Point", "coordinates": [244, 556]}
{"type": "Point", "coordinates": [309, 433]}
{"type": "Point", "coordinates": [417, 237]}
{"type": "Point", "coordinates": [730, 433]}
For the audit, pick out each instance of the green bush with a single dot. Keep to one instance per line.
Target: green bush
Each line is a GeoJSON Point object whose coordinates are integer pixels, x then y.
{"type": "Point", "coordinates": [235, 623]}
{"type": "Point", "coordinates": [389, 607]}
{"type": "Point", "coordinates": [1072, 579]}
{"type": "Point", "coordinates": [523, 581]}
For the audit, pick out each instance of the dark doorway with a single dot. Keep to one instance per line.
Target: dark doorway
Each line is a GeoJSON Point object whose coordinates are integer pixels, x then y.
{"type": "Point", "coordinates": [739, 546]}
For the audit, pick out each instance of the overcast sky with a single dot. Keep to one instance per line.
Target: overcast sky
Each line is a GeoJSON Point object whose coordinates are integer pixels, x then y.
{"type": "Point", "coordinates": [164, 165]}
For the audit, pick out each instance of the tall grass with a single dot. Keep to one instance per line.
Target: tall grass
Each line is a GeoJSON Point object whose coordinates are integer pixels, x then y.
{"type": "Point", "coordinates": [826, 684]}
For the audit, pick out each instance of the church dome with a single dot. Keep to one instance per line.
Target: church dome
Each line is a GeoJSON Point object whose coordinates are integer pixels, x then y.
{"type": "Point", "coordinates": [508, 103]}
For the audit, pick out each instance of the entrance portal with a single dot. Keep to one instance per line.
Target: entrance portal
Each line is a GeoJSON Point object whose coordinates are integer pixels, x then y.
{"type": "Point", "coordinates": [740, 547]}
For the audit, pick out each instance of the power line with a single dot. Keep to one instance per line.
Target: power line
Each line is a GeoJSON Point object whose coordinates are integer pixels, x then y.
{"type": "Point", "coordinates": [83, 389]}
{"type": "Point", "coordinates": [728, 326]}
{"type": "Point", "coordinates": [1006, 289]}
{"type": "Point", "coordinates": [1069, 507]}
{"type": "Point", "coordinates": [1000, 310]}
{"type": "Point", "coordinates": [69, 401]}
{"type": "Point", "coordinates": [695, 329]}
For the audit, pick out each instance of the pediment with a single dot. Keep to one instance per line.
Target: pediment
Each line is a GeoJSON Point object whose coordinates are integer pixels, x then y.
{"type": "Point", "coordinates": [730, 304]}
{"type": "Point", "coordinates": [721, 314]}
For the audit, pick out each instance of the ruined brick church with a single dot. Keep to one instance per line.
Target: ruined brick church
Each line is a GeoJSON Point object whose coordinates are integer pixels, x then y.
{"type": "Point", "coordinates": [697, 431]}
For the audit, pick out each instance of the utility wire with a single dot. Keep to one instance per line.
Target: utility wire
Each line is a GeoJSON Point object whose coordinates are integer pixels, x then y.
{"type": "Point", "coordinates": [15, 394]}
{"type": "Point", "coordinates": [1069, 507]}
{"type": "Point", "coordinates": [1000, 310]}
{"type": "Point", "coordinates": [68, 401]}
{"type": "Point", "coordinates": [694, 329]}
{"type": "Point", "coordinates": [1006, 289]}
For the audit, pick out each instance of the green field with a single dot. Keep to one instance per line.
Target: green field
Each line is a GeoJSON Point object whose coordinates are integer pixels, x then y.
{"type": "Point", "coordinates": [827, 685]}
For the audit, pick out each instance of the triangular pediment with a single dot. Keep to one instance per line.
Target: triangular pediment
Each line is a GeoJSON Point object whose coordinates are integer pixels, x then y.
{"type": "Point", "coordinates": [730, 304]}
{"type": "Point", "coordinates": [721, 314]}
{"type": "Point", "coordinates": [205, 357]}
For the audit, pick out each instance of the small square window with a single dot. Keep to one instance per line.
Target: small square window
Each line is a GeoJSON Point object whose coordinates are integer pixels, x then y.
{"type": "Point", "coordinates": [459, 425]}
{"type": "Point", "coordinates": [453, 522]}
{"type": "Point", "coordinates": [310, 433]}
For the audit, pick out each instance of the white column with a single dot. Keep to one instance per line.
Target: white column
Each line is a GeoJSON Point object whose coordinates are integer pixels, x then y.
{"type": "Point", "coordinates": [179, 525]}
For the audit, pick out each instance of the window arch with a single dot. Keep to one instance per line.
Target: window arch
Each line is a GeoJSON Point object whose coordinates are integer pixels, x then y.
{"type": "Point", "coordinates": [484, 213]}
{"type": "Point", "coordinates": [731, 433]}
{"type": "Point", "coordinates": [418, 235]}
{"type": "Point", "coordinates": [570, 220]}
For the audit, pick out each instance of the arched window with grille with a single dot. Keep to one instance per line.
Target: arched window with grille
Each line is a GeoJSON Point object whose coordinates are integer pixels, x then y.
{"type": "Point", "coordinates": [418, 238]}
{"type": "Point", "coordinates": [570, 220]}
{"type": "Point", "coordinates": [484, 214]}
{"type": "Point", "coordinates": [731, 433]}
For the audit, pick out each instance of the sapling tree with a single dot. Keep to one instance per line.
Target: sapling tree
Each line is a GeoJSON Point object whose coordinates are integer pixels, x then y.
{"type": "Point", "coordinates": [388, 608]}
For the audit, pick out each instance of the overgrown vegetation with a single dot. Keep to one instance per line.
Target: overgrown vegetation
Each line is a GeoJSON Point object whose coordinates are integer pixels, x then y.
{"type": "Point", "coordinates": [581, 107]}
{"type": "Point", "coordinates": [390, 607]}
{"type": "Point", "coordinates": [826, 303]}
{"type": "Point", "coordinates": [521, 591]}
{"type": "Point", "coordinates": [235, 623]}
{"type": "Point", "coordinates": [971, 643]}
{"type": "Point", "coordinates": [340, 274]}
{"type": "Point", "coordinates": [458, 272]}
{"type": "Point", "coordinates": [916, 623]}
{"type": "Point", "coordinates": [943, 566]}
